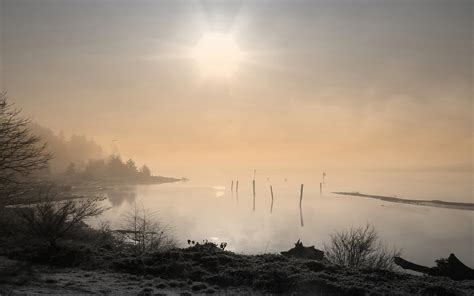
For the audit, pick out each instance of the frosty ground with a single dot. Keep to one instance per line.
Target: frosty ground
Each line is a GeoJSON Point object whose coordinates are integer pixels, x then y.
{"type": "Point", "coordinates": [201, 269]}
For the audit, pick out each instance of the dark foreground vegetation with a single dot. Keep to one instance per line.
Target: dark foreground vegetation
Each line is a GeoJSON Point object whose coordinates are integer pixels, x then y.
{"type": "Point", "coordinates": [80, 262]}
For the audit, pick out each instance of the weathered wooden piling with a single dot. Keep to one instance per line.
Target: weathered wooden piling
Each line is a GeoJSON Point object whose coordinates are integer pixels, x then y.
{"type": "Point", "coordinates": [253, 185]}
{"type": "Point", "coordinates": [232, 186]}
{"type": "Point", "coordinates": [301, 200]}
{"type": "Point", "coordinates": [320, 188]}
{"type": "Point", "coordinates": [301, 194]}
{"type": "Point", "coordinates": [237, 191]}
{"type": "Point", "coordinates": [271, 192]}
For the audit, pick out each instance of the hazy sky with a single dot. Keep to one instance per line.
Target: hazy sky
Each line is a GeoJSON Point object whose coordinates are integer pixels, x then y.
{"type": "Point", "coordinates": [369, 84]}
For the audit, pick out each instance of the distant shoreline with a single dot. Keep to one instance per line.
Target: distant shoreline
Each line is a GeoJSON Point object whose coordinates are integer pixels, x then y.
{"type": "Point", "coordinates": [428, 203]}
{"type": "Point", "coordinates": [80, 189]}
{"type": "Point", "coordinates": [101, 184]}
{"type": "Point", "coordinates": [88, 187]}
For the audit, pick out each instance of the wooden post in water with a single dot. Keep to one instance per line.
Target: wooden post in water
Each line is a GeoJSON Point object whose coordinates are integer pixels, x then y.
{"type": "Point", "coordinates": [301, 210]}
{"type": "Point", "coordinates": [237, 191]}
{"type": "Point", "coordinates": [271, 192]}
{"type": "Point", "coordinates": [232, 186]}
{"type": "Point", "coordinates": [253, 185]}
{"type": "Point", "coordinates": [320, 188]}
{"type": "Point", "coordinates": [301, 194]}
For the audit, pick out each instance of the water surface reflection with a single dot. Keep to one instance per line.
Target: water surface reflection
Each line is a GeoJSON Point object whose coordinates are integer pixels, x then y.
{"type": "Point", "coordinates": [196, 211]}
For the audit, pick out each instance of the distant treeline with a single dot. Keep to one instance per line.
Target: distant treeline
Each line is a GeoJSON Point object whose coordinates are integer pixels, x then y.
{"type": "Point", "coordinates": [78, 158]}
{"type": "Point", "coordinates": [77, 149]}
{"type": "Point", "coordinates": [111, 169]}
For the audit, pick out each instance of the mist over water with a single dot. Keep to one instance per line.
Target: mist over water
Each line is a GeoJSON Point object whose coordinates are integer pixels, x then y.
{"type": "Point", "coordinates": [205, 208]}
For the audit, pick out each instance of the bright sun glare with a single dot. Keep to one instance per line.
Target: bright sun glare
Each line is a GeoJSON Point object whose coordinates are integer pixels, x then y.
{"type": "Point", "coordinates": [217, 55]}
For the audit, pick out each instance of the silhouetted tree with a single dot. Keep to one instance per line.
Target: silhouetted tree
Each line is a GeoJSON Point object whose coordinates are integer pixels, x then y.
{"type": "Point", "coordinates": [21, 152]}
{"type": "Point", "coordinates": [145, 171]}
{"type": "Point", "coordinates": [131, 168]}
{"type": "Point", "coordinates": [95, 169]}
{"type": "Point", "coordinates": [114, 169]}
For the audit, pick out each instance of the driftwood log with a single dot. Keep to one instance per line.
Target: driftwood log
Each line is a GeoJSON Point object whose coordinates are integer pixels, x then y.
{"type": "Point", "coordinates": [300, 251]}
{"type": "Point", "coordinates": [450, 267]}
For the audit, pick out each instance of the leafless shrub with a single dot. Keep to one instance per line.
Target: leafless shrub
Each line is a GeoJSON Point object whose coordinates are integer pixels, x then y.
{"type": "Point", "coordinates": [360, 248]}
{"type": "Point", "coordinates": [51, 220]}
{"type": "Point", "coordinates": [146, 232]}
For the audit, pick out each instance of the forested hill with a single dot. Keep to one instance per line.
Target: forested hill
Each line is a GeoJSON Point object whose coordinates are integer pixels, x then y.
{"type": "Point", "coordinates": [79, 158]}
{"type": "Point", "coordinates": [114, 169]}
{"type": "Point", "coordinates": [77, 149]}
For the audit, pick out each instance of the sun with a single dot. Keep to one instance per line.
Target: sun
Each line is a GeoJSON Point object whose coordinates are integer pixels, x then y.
{"type": "Point", "coordinates": [217, 55]}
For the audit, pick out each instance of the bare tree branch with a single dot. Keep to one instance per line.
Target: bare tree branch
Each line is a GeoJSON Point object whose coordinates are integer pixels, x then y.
{"type": "Point", "coordinates": [146, 231]}
{"type": "Point", "coordinates": [21, 152]}
{"type": "Point", "coordinates": [52, 220]}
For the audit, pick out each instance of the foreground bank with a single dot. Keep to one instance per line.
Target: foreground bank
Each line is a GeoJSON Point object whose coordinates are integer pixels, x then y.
{"type": "Point", "coordinates": [203, 268]}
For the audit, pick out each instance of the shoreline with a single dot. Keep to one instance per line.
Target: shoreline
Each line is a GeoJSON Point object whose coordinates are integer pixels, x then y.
{"type": "Point", "coordinates": [91, 188]}
{"type": "Point", "coordinates": [418, 202]}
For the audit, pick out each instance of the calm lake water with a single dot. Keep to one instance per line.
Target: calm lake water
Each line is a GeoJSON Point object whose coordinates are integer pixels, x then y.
{"type": "Point", "coordinates": [205, 208]}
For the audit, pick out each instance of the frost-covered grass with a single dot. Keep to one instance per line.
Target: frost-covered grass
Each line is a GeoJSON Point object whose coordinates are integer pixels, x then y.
{"type": "Point", "coordinates": [201, 269]}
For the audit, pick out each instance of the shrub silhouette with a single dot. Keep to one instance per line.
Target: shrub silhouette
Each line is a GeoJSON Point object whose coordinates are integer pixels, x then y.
{"type": "Point", "coordinates": [360, 248]}
{"type": "Point", "coordinates": [51, 220]}
{"type": "Point", "coordinates": [146, 232]}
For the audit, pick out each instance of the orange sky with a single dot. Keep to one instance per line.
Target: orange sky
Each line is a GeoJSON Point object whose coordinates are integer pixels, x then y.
{"type": "Point", "coordinates": [319, 84]}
